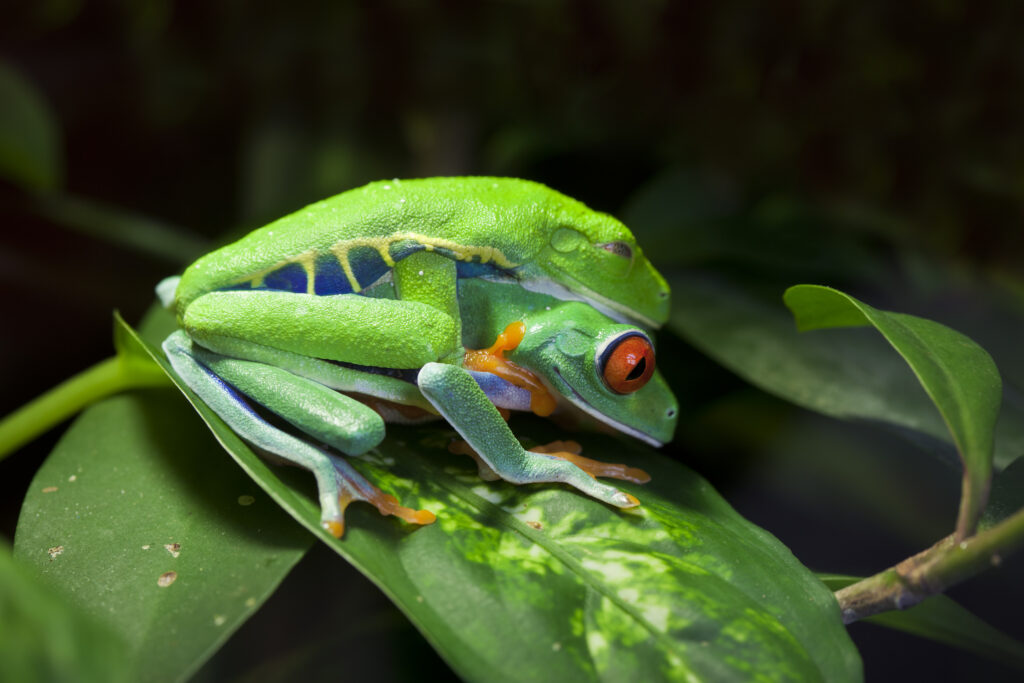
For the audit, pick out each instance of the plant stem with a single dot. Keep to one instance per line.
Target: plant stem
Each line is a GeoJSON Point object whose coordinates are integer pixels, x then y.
{"type": "Point", "coordinates": [69, 397]}
{"type": "Point", "coordinates": [931, 571]}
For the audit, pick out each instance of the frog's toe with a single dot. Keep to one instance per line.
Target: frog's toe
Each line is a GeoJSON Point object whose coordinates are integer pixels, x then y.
{"type": "Point", "coordinates": [388, 505]}
{"type": "Point", "coordinates": [570, 451]}
{"type": "Point", "coordinates": [334, 527]}
{"type": "Point", "coordinates": [625, 500]}
{"type": "Point", "coordinates": [352, 486]}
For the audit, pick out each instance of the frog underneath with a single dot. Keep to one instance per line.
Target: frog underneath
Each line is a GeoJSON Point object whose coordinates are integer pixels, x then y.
{"type": "Point", "coordinates": [563, 355]}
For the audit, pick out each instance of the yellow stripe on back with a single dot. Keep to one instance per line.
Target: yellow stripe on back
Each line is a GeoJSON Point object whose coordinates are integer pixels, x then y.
{"type": "Point", "coordinates": [382, 245]}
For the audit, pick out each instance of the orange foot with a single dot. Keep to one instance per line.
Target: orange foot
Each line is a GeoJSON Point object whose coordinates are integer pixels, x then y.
{"type": "Point", "coordinates": [385, 503]}
{"type": "Point", "coordinates": [570, 450]}
{"type": "Point", "coordinates": [566, 450]}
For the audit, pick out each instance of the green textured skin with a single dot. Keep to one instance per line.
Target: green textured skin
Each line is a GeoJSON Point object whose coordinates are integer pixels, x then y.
{"type": "Point", "coordinates": [548, 238]}
{"type": "Point", "coordinates": [356, 329]}
{"type": "Point", "coordinates": [560, 345]}
{"type": "Point", "coordinates": [323, 413]}
{"type": "Point", "coordinates": [283, 328]}
{"type": "Point", "coordinates": [466, 407]}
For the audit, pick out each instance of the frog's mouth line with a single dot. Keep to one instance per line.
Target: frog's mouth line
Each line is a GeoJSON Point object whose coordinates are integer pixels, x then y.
{"type": "Point", "coordinates": [582, 404]}
{"type": "Point", "coordinates": [612, 309]}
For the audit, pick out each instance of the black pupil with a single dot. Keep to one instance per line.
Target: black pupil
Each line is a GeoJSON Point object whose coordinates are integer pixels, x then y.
{"type": "Point", "coordinates": [638, 370]}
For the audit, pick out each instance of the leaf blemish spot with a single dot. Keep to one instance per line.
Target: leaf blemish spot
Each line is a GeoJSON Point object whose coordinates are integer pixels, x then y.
{"type": "Point", "coordinates": [535, 525]}
{"type": "Point", "coordinates": [419, 598]}
{"type": "Point", "coordinates": [173, 548]}
{"type": "Point", "coordinates": [219, 619]}
{"type": "Point", "coordinates": [49, 489]}
{"type": "Point", "coordinates": [146, 547]}
{"type": "Point", "coordinates": [54, 552]}
{"type": "Point", "coordinates": [556, 646]}
{"type": "Point", "coordinates": [166, 579]}
{"type": "Point", "coordinates": [246, 500]}
{"type": "Point", "coordinates": [73, 477]}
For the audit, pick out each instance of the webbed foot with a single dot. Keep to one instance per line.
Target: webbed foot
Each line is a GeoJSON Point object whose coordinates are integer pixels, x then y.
{"type": "Point", "coordinates": [570, 451]}
{"type": "Point", "coordinates": [353, 486]}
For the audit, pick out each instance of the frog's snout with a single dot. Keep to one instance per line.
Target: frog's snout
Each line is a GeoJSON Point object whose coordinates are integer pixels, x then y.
{"type": "Point", "coordinates": [665, 428]}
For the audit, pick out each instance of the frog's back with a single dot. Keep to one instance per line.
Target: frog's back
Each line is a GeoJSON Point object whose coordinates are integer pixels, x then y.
{"type": "Point", "coordinates": [347, 242]}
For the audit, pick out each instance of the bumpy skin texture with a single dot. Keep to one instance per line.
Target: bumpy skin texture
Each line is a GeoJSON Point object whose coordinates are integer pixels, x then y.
{"type": "Point", "coordinates": [361, 292]}
{"type": "Point", "coordinates": [562, 345]}
{"type": "Point", "coordinates": [490, 226]}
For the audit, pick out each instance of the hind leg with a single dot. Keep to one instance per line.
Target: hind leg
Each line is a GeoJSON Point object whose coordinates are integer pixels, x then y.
{"type": "Point", "coordinates": [338, 483]}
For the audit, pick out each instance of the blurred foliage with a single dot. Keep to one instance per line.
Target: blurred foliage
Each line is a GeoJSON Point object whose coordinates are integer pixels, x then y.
{"type": "Point", "coordinates": [903, 115]}
{"type": "Point", "coordinates": [871, 146]}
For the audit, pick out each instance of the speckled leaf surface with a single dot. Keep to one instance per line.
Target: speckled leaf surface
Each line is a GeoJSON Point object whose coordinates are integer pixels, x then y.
{"type": "Point", "coordinates": [539, 583]}
{"type": "Point", "coordinates": [151, 532]}
{"type": "Point", "coordinates": [43, 638]}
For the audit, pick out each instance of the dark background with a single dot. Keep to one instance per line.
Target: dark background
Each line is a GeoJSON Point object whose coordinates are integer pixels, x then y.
{"type": "Point", "coordinates": [895, 127]}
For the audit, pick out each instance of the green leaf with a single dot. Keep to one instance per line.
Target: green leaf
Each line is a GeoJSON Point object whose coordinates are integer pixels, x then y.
{"type": "Point", "coordinates": [521, 583]}
{"type": "Point", "coordinates": [139, 518]}
{"type": "Point", "coordinates": [848, 374]}
{"type": "Point", "coordinates": [941, 619]}
{"type": "Point", "coordinates": [957, 374]}
{"type": "Point", "coordinates": [30, 153]}
{"type": "Point", "coordinates": [43, 638]}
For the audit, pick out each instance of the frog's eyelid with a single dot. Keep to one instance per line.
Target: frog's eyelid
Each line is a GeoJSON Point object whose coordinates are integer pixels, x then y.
{"type": "Point", "coordinates": [618, 248]}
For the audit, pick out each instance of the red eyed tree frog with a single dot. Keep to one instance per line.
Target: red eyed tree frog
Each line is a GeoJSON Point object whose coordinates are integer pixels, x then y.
{"type": "Point", "coordinates": [292, 297]}
{"type": "Point", "coordinates": [560, 355]}
{"type": "Point", "coordinates": [425, 234]}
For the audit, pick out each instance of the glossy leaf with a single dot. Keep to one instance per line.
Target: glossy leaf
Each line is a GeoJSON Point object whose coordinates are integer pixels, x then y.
{"type": "Point", "coordinates": [520, 583]}
{"type": "Point", "coordinates": [943, 620]}
{"type": "Point", "coordinates": [43, 638]}
{"type": "Point", "coordinates": [849, 374]}
{"type": "Point", "coordinates": [153, 533]}
{"type": "Point", "coordinates": [29, 139]}
{"type": "Point", "coordinates": [957, 374]}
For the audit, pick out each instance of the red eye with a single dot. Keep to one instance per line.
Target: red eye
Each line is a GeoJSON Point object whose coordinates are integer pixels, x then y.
{"type": "Point", "coordinates": [628, 364]}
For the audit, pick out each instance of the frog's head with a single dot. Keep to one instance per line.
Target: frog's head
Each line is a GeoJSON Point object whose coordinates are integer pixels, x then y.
{"type": "Point", "coordinates": [593, 257]}
{"type": "Point", "coordinates": [603, 368]}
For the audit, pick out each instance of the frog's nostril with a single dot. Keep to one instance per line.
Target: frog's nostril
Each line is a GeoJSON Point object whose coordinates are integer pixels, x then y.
{"type": "Point", "coordinates": [671, 412]}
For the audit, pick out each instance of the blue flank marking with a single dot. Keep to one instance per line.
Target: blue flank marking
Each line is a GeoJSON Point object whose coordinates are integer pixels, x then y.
{"type": "Point", "coordinates": [234, 393]}
{"type": "Point", "coordinates": [471, 269]}
{"type": "Point", "coordinates": [330, 278]}
{"type": "Point", "coordinates": [289, 278]}
{"type": "Point", "coordinates": [502, 393]}
{"type": "Point", "coordinates": [367, 266]}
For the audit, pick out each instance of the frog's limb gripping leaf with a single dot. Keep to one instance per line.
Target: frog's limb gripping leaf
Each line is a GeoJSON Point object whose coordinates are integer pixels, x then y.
{"type": "Point", "coordinates": [566, 450]}
{"type": "Point", "coordinates": [570, 451]}
{"type": "Point", "coordinates": [465, 406]}
{"type": "Point", "coordinates": [337, 482]}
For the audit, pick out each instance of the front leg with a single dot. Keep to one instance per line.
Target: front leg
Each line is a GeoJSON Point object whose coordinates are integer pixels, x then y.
{"type": "Point", "coordinates": [432, 279]}
{"type": "Point", "coordinates": [462, 402]}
